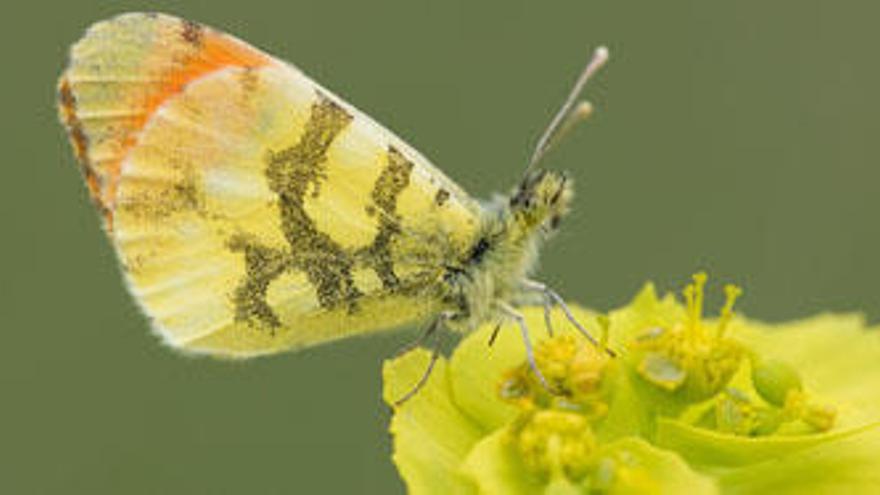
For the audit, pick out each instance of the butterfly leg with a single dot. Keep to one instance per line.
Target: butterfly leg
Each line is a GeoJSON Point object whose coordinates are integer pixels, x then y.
{"type": "Point", "coordinates": [530, 353]}
{"type": "Point", "coordinates": [555, 298]}
{"type": "Point", "coordinates": [494, 334]}
{"type": "Point", "coordinates": [548, 306]}
{"type": "Point", "coordinates": [429, 332]}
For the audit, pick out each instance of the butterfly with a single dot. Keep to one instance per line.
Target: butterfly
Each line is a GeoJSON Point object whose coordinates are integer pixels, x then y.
{"type": "Point", "coordinates": [253, 211]}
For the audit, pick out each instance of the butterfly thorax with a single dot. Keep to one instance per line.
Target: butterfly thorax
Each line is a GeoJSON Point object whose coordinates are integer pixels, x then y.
{"type": "Point", "coordinates": [505, 250]}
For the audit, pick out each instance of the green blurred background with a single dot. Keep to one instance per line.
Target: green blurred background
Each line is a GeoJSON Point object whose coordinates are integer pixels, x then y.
{"type": "Point", "coordinates": [740, 137]}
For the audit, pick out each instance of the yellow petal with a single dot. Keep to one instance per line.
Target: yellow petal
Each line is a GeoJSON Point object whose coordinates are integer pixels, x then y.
{"type": "Point", "coordinates": [644, 312]}
{"type": "Point", "coordinates": [494, 468]}
{"type": "Point", "coordinates": [431, 435]}
{"type": "Point", "coordinates": [836, 355]}
{"type": "Point", "coordinates": [645, 469]}
{"type": "Point", "coordinates": [708, 447]}
{"type": "Point", "coordinates": [850, 465]}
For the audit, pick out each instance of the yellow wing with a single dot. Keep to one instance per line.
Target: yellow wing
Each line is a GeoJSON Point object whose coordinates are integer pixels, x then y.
{"type": "Point", "coordinates": [253, 211]}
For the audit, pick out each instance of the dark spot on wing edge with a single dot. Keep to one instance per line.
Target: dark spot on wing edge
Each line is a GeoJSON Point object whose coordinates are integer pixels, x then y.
{"type": "Point", "coordinates": [441, 197]}
{"type": "Point", "coordinates": [192, 32]}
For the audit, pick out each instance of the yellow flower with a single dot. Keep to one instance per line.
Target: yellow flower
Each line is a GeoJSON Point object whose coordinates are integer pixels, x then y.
{"type": "Point", "coordinates": [690, 406]}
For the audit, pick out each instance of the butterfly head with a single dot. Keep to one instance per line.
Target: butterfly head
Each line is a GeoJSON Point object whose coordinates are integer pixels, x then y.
{"type": "Point", "coordinates": [541, 200]}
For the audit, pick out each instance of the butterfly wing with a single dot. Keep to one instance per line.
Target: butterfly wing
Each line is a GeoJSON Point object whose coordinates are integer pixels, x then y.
{"type": "Point", "coordinates": [252, 210]}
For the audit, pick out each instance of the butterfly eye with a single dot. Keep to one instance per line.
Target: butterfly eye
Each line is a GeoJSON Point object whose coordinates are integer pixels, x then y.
{"type": "Point", "coordinates": [479, 250]}
{"type": "Point", "coordinates": [558, 194]}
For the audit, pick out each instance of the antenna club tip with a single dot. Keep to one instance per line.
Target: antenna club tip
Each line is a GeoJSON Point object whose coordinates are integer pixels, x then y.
{"type": "Point", "coordinates": [601, 54]}
{"type": "Point", "coordinates": [583, 109]}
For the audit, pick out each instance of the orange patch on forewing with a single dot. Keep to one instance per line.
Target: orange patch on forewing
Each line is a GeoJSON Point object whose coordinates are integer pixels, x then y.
{"type": "Point", "coordinates": [215, 52]}
{"type": "Point", "coordinates": [193, 53]}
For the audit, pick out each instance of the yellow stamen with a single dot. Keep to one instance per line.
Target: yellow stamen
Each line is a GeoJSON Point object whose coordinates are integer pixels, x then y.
{"type": "Point", "coordinates": [685, 360]}
{"type": "Point", "coordinates": [556, 442]}
{"type": "Point", "coordinates": [696, 306]}
{"type": "Point", "coordinates": [731, 294]}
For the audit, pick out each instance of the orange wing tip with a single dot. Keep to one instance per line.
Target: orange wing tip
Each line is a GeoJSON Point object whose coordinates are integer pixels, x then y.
{"type": "Point", "coordinates": [175, 52]}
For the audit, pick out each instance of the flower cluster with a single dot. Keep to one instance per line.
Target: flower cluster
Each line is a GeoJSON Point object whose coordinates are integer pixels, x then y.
{"type": "Point", "coordinates": [690, 405]}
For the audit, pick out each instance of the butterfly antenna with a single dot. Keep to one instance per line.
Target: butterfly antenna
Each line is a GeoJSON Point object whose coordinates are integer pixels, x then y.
{"type": "Point", "coordinates": [572, 111]}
